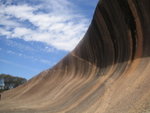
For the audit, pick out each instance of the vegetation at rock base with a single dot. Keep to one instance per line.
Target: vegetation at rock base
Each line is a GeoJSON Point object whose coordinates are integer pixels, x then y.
{"type": "Point", "coordinates": [8, 82]}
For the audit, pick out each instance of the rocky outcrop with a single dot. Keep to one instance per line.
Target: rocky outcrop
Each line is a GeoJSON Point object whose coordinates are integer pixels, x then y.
{"type": "Point", "coordinates": [108, 72]}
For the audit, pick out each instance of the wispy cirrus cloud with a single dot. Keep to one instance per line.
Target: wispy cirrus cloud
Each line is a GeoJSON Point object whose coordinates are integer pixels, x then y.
{"type": "Point", "coordinates": [53, 22]}
{"type": "Point", "coordinates": [28, 48]}
{"type": "Point", "coordinates": [17, 64]}
{"type": "Point", "coordinates": [32, 58]}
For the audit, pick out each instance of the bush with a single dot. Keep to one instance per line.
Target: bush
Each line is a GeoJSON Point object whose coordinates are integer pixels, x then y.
{"type": "Point", "coordinates": [11, 81]}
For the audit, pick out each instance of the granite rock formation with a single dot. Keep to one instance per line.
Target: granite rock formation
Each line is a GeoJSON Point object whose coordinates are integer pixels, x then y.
{"type": "Point", "coordinates": [108, 71]}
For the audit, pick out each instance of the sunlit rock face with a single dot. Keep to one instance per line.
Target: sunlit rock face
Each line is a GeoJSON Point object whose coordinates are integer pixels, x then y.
{"type": "Point", "coordinates": [108, 72]}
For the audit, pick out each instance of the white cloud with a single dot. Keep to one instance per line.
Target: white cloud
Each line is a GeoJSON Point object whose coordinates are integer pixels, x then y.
{"type": "Point", "coordinates": [30, 48]}
{"type": "Point", "coordinates": [20, 46]}
{"type": "Point", "coordinates": [48, 49]}
{"type": "Point", "coordinates": [61, 27]}
{"type": "Point", "coordinates": [5, 32]}
{"type": "Point", "coordinates": [4, 20]}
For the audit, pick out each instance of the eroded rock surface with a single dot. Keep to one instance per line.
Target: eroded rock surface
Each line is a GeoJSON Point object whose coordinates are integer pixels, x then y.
{"type": "Point", "coordinates": [108, 72]}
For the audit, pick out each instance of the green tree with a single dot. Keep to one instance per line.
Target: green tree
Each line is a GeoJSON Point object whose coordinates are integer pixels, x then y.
{"type": "Point", "coordinates": [11, 81]}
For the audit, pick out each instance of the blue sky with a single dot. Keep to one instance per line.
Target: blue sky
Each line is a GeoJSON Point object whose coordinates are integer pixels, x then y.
{"type": "Point", "coordinates": [36, 34]}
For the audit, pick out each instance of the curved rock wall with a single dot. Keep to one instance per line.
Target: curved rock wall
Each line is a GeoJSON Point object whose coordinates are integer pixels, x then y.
{"type": "Point", "coordinates": [108, 72]}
